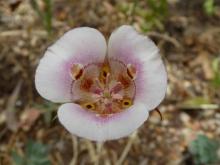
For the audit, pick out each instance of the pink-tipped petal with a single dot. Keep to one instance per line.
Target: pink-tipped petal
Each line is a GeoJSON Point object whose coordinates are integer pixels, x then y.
{"type": "Point", "coordinates": [126, 45]}
{"type": "Point", "coordinates": [91, 126]}
{"type": "Point", "coordinates": [78, 46]}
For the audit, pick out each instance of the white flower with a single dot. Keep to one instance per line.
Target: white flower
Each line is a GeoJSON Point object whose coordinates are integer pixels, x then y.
{"type": "Point", "coordinates": [108, 91]}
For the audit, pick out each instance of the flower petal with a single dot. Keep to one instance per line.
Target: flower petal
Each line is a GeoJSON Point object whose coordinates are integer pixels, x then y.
{"type": "Point", "coordinates": [88, 125]}
{"type": "Point", "coordinates": [126, 45]}
{"type": "Point", "coordinates": [80, 45]}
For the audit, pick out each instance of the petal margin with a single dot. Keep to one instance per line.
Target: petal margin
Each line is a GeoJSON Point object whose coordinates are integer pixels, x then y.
{"type": "Point", "coordinates": [81, 45]}
{"type": "Point", "coordinates": [126, 45]}
{"type": "Point", "coordinates": [90, 126]}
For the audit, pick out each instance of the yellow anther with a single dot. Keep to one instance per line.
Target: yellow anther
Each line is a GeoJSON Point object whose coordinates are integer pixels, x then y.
{"type": "Point", "coordinates": [90, 106]}
{"type": "Point", "coordinates": [76, 71]}
{"type": "Point", "coordinates": [126, 103]}
{"type": "Point", "coordinates": [105, 71]}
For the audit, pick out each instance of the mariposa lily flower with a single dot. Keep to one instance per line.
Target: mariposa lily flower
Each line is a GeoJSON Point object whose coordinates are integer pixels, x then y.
{"type": "Point", "coordinates": [108, 89]}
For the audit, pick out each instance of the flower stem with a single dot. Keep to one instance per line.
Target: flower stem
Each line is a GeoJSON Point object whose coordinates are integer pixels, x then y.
{"type": "Point", "coordinates": [99, 146]}
{"type": "Point", "coordinates": [75, 151]}
{"type": "Point", "coordinates": [127, 148]}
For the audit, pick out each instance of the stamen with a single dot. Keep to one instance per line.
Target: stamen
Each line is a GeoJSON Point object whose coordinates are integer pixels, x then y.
{"type": "Point", "coordinates": [89, 106]}
{"type": "Point", "coordinates": [76, 71]}
{"type": "Point", "coordinates": [104, 73]}
{"type": "Point", "coordinates": [131, 71]}
{"type": "Point", "coordinates": [126, 103]}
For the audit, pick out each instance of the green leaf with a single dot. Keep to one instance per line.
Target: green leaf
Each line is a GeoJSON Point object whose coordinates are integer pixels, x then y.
{"type": "Point", "coordinates": [47, 108]}
{"type": "Point", "coordinates": [48, 15]}
{"type": "Point", "coordinates": [151, 17]}
{"type": "Point", "coordinates": [204, 150]}
{"type": "Point", "coordinates": [17, 159]}
{"type": "Point", "coordinates": [197, 103]}
{"type": "Point", "coordinates": [209, 7]}
{"type": "Point", "coordinates": [216, 70]}
{"type": "Point", "coordinates": [45, 15]}
{"type": "Point", "coordinates": [36, 154]}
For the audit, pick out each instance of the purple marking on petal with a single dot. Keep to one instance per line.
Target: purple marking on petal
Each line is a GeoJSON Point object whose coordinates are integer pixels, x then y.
{"type": "Point", "coordinates": [110, 118]}
{"type": "Point", "coordinates": [88, 125]}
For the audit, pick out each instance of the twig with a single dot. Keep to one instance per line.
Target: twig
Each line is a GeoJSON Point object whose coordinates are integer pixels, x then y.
{"type": "Point", "coordinates": [127, 148]}
{"type": "Point", "coordinates": [10, 113]}
{"type": "Point", "coordinates": [15, 33]}
{"type": "Point", "coordinates": [201, 106]}
{"type": "Point", "coordinates": [91, 150]}
{"type": "Point", "coordinates": [98, 152]}
{"type": "Point", "coordinates": [75, 151]}
{"type": "Point", "coordinates": [158, 111]}
{"type": "Point", "coordinates": [2, 133]}
{"type": "Point", "coordinates": [166, 38]}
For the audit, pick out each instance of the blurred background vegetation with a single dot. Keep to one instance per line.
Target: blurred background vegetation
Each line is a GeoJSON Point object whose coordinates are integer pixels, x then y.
{"type": "Point", "coordinates": [188, 35]}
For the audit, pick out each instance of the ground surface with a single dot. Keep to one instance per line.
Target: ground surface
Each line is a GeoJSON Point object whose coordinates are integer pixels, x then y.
{"type": "Point", "coordinates": [189, 40]}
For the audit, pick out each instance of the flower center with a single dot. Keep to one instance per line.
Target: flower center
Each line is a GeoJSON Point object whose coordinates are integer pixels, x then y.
{"type": "Point", "coordinates": [104, 89]}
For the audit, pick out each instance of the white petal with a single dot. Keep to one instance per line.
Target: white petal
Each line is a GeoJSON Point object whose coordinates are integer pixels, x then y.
{"type": "Point", "coordinates": [88, 125]}
{"type": "Point", "coordinates": [81, 45]}
{"type": "Point", "coordinates": [126, 45]}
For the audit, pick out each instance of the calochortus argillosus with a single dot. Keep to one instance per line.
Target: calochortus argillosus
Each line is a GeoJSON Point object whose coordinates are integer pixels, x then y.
{"type": "Point", "coordinates": [107, 89]}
